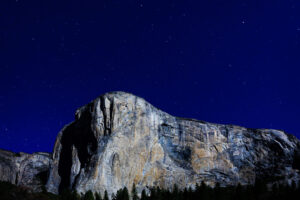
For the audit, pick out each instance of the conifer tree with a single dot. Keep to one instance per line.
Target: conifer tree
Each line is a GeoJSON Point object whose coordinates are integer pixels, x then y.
{"type": "Point", "coordinates": [217, 191]}
{"type": "Point", "coordinates": [185, 194]}
{"type": "Point", "coordinates": [144, 196]}
{"type": "Point", "coordinates": [113, 196]}
{"type": "Point", "coordinates": [238, 192]}
{"type": "Point", "coordinates": [134, 195]}
{"type": "Point", "coordinates": [98, 196]}
{"type": "Point", "coordinates": [125, 194]}
{"type": "Point", "coordinates": [105, 196]}
{"type": "Point", "coordinates": [118, 195]}
{"type": "Point", "coordinates": [75, 195]}
{"type": "Point", "coordinates": [175, 192]}
{"type": "Point", "coordinates": [88, 195]}
{"type": "Point", "coordinates": [203, 191]}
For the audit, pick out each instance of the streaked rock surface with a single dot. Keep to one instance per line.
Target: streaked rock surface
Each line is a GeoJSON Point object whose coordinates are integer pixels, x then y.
{"type": "Point", "coordinates": [28, 170]}
{"type": "Point", "coordinates": [119, 139]}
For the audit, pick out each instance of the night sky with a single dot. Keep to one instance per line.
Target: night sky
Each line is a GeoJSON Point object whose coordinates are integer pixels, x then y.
{"type": "Point", "coordinates": [232, 62]}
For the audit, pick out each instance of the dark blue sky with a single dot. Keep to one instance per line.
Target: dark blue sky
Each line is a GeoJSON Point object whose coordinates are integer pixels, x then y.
{"type": "Point", "coordinates": [232, 62]}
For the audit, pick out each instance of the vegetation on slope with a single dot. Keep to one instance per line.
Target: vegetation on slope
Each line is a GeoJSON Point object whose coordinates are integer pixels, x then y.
{"type": "Point", "coordinates": [259, 191]}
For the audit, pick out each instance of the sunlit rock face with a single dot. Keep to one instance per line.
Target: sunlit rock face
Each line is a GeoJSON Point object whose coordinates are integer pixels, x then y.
{"type": "Point", "coordinates": [119, 139]}
{"type": "Point", "coordinates": [27, 170]}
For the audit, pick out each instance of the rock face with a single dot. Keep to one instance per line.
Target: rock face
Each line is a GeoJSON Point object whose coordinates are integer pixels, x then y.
{"type": "Point", "coordinates": [28, 170]}
{"type": "Point", "coordinates": [119, 139]}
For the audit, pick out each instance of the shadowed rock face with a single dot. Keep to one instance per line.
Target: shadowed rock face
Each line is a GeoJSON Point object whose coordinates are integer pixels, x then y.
{"type": "Point", "coordinates": [28, 170]}
{"type": "Point", "coordinates": [119, 139]}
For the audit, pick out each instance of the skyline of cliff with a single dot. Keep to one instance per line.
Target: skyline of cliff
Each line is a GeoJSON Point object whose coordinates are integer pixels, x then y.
{"type": "Point", "coordinates": [119, 139]}
{"type": "Point", "coordinates": [226, 62]}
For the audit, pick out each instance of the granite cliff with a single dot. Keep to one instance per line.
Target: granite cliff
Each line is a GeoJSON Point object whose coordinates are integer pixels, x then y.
{"type": "Point", "coordinates": [26, 170]}
{"type": "Point", "coordinates": [119, 139]}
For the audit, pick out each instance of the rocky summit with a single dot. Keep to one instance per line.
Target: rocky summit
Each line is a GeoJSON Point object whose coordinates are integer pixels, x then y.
{"type": "Point", "coordinates": [120, 139]}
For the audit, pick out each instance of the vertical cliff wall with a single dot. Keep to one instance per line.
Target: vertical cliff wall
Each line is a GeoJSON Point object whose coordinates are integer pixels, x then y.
{"type": "Point", "coordinates": [119, 139]}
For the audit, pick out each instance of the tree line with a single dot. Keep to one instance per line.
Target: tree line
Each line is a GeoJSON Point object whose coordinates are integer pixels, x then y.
{"type": "Point", "coordinates": [258, 191]}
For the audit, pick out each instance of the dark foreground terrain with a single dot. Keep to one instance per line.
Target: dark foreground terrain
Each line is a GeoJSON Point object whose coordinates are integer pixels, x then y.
{"type": "Point", "coordinates": [9, 191]}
